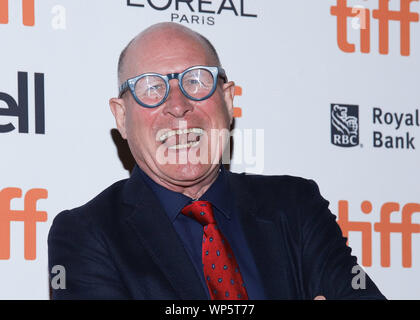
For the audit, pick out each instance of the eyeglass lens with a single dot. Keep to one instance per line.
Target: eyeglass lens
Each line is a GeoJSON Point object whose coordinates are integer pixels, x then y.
{"type": "Point", "coordinates": [197, 84]}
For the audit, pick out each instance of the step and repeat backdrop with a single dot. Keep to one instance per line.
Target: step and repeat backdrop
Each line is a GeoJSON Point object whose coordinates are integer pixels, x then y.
{"type": "Point", "coordinates": [327, 90]}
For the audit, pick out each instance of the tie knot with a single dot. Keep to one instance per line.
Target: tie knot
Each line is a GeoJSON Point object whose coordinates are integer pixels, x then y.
{"type": "Point", "coordinates": [201, 211]}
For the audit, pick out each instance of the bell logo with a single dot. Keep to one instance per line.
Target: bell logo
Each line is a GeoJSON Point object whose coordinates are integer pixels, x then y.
{"type": "Point", "coordinates": [385, 227]}
{"type": "Point", "coordinates": [28, 12]}
{"type": "Point", "coordinates": [29, 215]}
{"type": "Point", "coordinates": [19, 108]}
{"type": "Point", "coordinates": [384, 16]}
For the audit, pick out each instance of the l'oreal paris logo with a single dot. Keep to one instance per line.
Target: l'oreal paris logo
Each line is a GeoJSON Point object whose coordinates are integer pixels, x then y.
{"type": "Point", "coordinates": [197, 11]}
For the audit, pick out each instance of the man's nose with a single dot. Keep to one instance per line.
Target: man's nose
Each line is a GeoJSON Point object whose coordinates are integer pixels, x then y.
{"type": "Point", "coordinates": [177, 104]}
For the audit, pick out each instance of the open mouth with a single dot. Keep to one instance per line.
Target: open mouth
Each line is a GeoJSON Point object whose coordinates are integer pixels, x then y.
{"type": "Point", "coordinates": [181, 138]}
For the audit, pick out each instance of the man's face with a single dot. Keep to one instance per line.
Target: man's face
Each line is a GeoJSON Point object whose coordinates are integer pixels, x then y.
{"type": "Point", "coordinates": [144, 128]}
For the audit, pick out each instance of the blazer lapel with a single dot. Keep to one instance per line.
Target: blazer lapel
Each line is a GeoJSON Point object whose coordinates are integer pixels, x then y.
{"type": "Point", "coordinates": [265, 241]}
{"type": "Point", "coordinates": [158, 236]}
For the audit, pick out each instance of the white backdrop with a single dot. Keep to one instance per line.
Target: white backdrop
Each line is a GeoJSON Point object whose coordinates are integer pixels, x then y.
{"type": "Point", "coordinates": [291, 69]}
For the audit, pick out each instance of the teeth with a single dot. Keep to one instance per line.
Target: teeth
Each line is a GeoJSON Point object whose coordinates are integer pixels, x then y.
{"type": "Point", "coordinates": [184, 146]}
{"type": "Point", "coordinates": [171, 133]}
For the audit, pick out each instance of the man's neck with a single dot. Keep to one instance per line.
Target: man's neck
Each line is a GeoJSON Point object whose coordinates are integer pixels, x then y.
{"type": "Point", "coordinates": [196, 193]}
{"type": "Point", "coordinates": [194, 190]}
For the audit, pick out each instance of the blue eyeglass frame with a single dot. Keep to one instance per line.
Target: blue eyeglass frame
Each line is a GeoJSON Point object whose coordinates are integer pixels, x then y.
{"type": "Point", "coordinates": [131, 83]}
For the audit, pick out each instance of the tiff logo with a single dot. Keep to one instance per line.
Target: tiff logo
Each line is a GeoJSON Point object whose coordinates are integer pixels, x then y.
{"type": "Point", "coordinates": [28, 12]}
{"type": "Point", "coordinates": [384, 16]}
{"type": "Point", "coordinates": [237, 111]}
{"type": "Point", "coordinates": [385, 227]}
{"type": "Point", "coordinates": [29, 215]}
{"type": "Point", "coordinates": [19, 109]}
{"type": "Point", "coordinates": [58, 21]}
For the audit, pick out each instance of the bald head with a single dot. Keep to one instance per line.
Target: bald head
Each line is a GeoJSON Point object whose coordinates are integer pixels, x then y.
{"type": "Point", "coordinates": [166, 33]}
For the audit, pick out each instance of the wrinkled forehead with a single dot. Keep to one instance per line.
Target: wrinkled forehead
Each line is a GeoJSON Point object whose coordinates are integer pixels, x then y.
{"type": "Point", "coordinates": [166, 51]}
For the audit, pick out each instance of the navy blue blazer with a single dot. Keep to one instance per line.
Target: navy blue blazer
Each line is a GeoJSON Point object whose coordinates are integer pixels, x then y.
{"type": "Point", "coordinates": [122, 245]}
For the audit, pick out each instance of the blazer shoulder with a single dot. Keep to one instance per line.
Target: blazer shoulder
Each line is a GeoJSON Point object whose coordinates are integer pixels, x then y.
{"type": "Point", "coordinates": [81, 240]}
{"type": "Point", "coordinates": [279, 188]}
{"type": "Point", "coordinates": [95, 210]}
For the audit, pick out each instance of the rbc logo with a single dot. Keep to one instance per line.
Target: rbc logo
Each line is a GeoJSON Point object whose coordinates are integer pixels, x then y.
{"type": "Point", "coordinates": [344, 125]}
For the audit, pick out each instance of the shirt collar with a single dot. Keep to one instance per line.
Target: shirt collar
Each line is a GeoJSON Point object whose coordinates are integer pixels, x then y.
{"type": "Point", "coordinates": [219, 194]}
{"type": "Point", "coordinates": [173, 202]}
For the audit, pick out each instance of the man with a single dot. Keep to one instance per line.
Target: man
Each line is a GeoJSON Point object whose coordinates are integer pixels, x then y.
{"type": "Point", "coordinates": [183, 227]}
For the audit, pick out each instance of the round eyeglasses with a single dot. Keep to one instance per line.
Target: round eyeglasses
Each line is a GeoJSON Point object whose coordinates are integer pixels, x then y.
{"type": "Point", "coordinates": [197, 83]}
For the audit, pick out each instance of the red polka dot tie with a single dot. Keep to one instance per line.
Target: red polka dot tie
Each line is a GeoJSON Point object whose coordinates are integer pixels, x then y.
{"type": "Point", "coordinates": [221, 271]}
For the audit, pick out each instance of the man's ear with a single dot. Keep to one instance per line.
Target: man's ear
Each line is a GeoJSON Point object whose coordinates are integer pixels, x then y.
{"type": "Point", "coordinates": [229, 93]}
{"type": "Point", "coordinates": [118, 109]}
